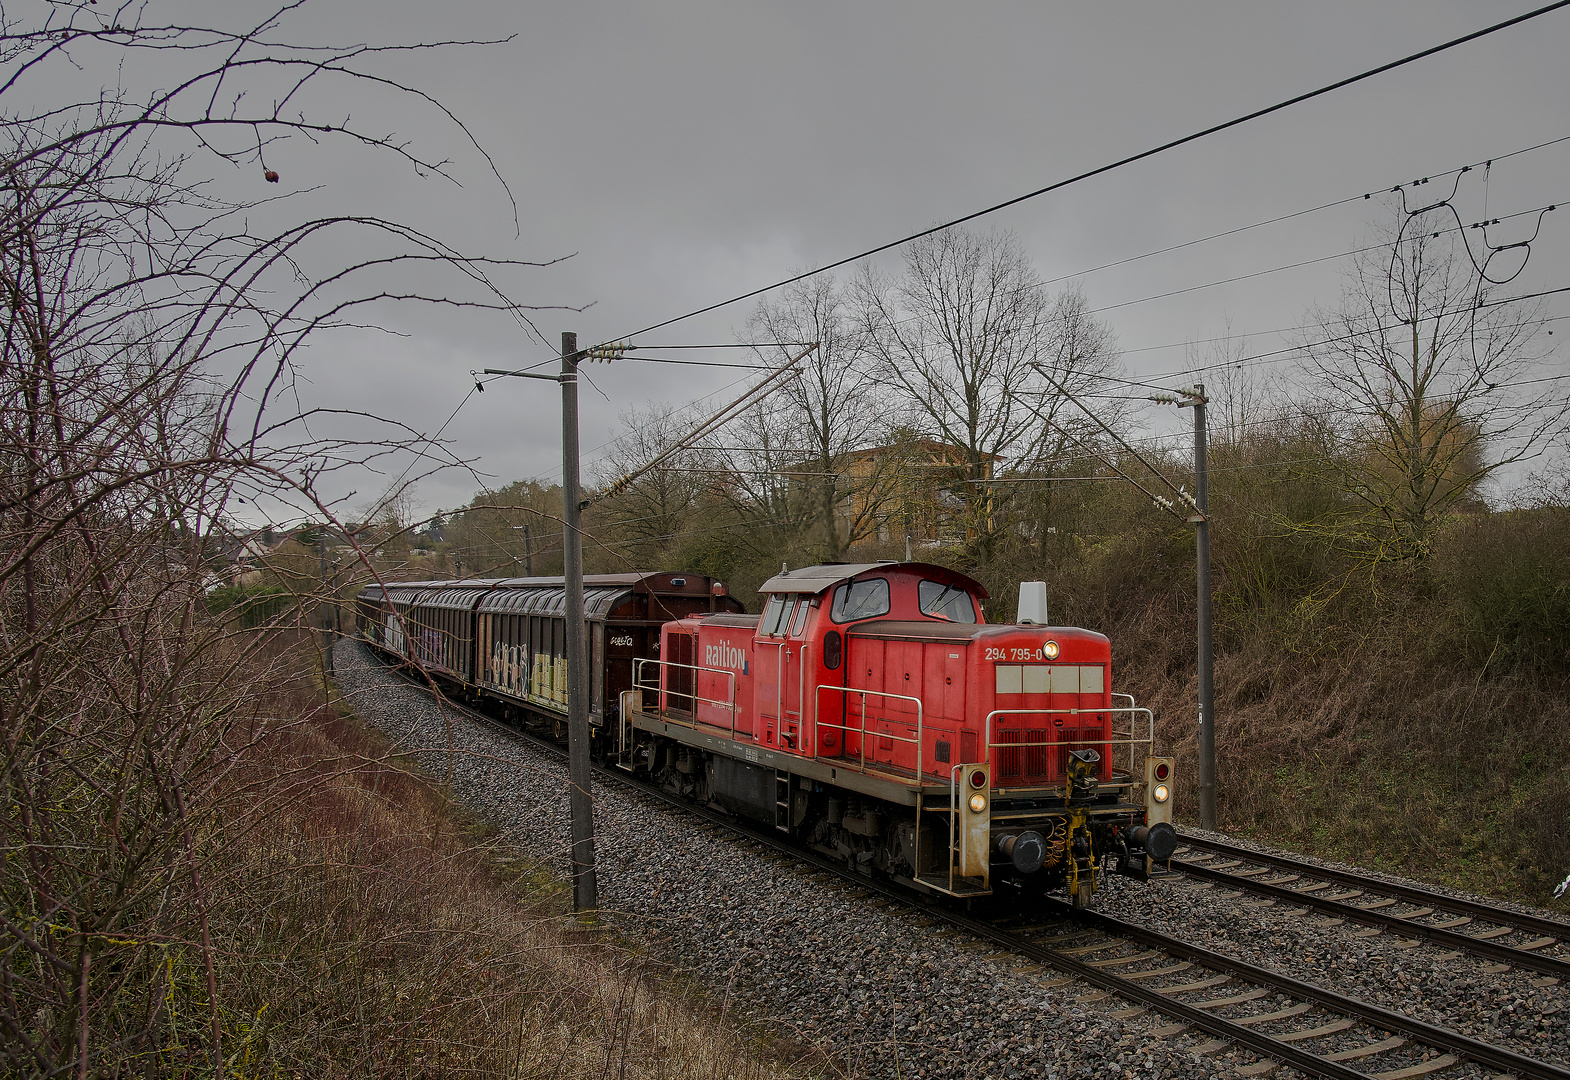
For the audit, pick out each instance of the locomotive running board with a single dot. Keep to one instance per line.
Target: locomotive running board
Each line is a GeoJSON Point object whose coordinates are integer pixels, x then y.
{"type": "Point", "coordinates": [892, 789]}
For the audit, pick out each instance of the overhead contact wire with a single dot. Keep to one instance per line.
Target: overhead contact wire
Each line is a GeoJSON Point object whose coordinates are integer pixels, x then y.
{"type": "Point", "coordinates": [1121, 162]}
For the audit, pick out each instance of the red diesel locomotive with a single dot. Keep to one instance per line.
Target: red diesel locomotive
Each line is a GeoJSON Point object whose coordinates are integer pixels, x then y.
{"type": "Point", "coordinates": [872, 713]}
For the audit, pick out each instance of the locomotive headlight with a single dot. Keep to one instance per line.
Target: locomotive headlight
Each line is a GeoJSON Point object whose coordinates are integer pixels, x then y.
{"type": "Point", "coordinates": [1161, 793]}
{"type": "Point", "coordinates": [978, 803]}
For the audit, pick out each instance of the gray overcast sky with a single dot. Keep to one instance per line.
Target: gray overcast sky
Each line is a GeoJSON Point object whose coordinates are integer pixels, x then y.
{"type": "Point", "coordinates": [684, 152]}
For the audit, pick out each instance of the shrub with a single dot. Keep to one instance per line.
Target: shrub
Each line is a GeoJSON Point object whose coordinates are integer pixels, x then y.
{"type": "Point", "coordinates": [1505, 580]}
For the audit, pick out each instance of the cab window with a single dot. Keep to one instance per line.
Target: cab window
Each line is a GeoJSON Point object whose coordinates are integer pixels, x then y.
{"type": "Point", "coordinates": [860, 600]}
{"type": "Point", "coordinates": [945, 602]}
{"type": "Point", "coordinates": [800, 621]}
{"type": "Point", "coordinates": [771, 614]}
{"type": "Point", "coordinates": [777, 615]}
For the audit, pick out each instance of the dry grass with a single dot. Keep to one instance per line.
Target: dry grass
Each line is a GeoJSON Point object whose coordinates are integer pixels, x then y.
{"type": "Point", "coordinates": [1366, 730]}
{"type": "Point", "coordinates": [1413, 716]}
{"type": "Point", "coordinates": [367, 928]}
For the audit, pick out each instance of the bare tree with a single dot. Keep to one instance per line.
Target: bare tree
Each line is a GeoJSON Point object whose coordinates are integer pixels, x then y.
{"type": "Point", "coordinates": [152, 332]}
{"type": "Point", "coordinates": [645, 518]}
{"type": "Point", "coordinates": [980, 354]}
{"type": "Point", "coordinates": [512, 531]}
{"type": "Point", "coordinates": [758, 475]}
{"type": "Point", "coordinates": [1240, 398]}
{"type": "Point", "coordinates": [1428, 380]}
{"type": "Point", "coordinates": [834, 417]}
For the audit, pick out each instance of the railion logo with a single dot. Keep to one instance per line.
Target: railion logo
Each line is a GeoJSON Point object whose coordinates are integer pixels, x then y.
{"type": "Point", "coordinates": [724, 656]}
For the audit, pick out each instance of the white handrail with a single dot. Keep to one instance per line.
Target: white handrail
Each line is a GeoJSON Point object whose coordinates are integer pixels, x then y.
{"type": "Point", "coordinates": [817, 723]}
{"type": "Point", "coordinates": [1130, 742]}
{"type": "Point", "coordinates": [637, 672]}
{"type": "Point", "coordinates": [953, 822]}
{"type": "Point", "coordinates": [625, 698]}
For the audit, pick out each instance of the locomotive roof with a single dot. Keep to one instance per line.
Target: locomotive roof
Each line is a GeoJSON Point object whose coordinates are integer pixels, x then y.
{"type": "Point", "coordinates": [815, 579]}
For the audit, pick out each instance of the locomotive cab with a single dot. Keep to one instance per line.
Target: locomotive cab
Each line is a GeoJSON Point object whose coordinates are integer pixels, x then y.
{"type": "Point", "coordinates": [860, 708]}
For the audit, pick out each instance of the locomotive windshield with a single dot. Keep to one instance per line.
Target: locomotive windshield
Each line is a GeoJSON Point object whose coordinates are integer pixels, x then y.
{"type": "Point", "coordinates": [861, 600]}
{"type": "Point", "coordinates": [945, 602]}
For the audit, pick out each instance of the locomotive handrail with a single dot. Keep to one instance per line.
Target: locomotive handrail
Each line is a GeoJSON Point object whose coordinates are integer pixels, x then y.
{"type": "Point", "coordinates": [817, 723]}
{"type": "Point", "coordinates": [1131, 710]}
{"type": "Point", "coordinates": [953, 823]}
{"type": "Point", "coordinates": [624, 701]}
{"type": "Point", "coordinates": [637, 674]}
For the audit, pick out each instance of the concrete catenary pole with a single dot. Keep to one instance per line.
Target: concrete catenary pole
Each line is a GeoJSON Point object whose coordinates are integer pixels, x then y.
{"type": "Point", "coordinates": [585, 887]}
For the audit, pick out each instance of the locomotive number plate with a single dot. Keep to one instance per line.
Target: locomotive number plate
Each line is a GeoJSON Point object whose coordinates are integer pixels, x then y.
{"type": "Point", "coordinates": [1018, 654]}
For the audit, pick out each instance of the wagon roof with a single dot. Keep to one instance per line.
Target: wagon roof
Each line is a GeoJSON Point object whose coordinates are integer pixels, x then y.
{"type": "Point", "coordinates": [524, 596]}
{"type": "Point", "coordinates": [530, 595]}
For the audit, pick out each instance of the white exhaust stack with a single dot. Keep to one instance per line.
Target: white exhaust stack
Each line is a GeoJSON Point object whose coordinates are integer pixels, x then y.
{"type": "Point", "coordinates": [1032, 603]}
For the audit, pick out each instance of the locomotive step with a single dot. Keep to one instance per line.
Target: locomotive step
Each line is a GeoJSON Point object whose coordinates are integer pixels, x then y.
{"type": "Point", "coordinates": [962, 887]}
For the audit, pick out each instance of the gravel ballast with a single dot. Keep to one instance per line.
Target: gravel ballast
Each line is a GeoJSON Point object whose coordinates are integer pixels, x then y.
{"type": "Point", "coordinates": [886, 996]}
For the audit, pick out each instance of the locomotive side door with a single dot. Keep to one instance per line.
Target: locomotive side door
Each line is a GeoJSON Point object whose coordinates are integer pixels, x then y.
{"type": "Point", "coordinates": [793, 674]}
{"type": "Point", "coordinates": [679, 682]}
{"type": "Point", "coordinates": [769, 647]}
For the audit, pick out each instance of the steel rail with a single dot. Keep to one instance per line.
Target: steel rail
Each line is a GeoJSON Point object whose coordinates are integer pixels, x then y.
{"type": "Point", "coordinates": [1504, 917]}
{"type": "Point", "coordinates": [1204, 1020]}
{"type": "Point", "coordinates": [1191, 1014]}
{"type": "Point", "coordinates": [1430, 1034]}
{"type": "Point", "coordinates": [1434, 935]}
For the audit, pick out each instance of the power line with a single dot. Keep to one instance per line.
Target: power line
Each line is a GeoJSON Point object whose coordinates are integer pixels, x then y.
{"type": "Point", "coordinates": [1459, 230]}
{"type": "Point", "coordinates": [1242, 336]}
{"type": "Point", "coordinates": [732, 344]}
{"type": "Point", "coordinates": [1213, 469]}
{"type": "Point", "coordinates": [699, 363]}
{"type": "Point", "coordinates": [1296, 214]}
{"type": "Point", "coordinates": [1150, 348]}
{"type": "Point", "coordinates": [1277, 355]}
{"type": "Point", "coordinates": [1118, 164]}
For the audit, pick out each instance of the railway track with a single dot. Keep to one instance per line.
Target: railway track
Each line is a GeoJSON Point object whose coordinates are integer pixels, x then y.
{"type": "Point", "coordinates": [1416, 915]}
{"type": "Point", "coordinates": [1280, 1020]}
